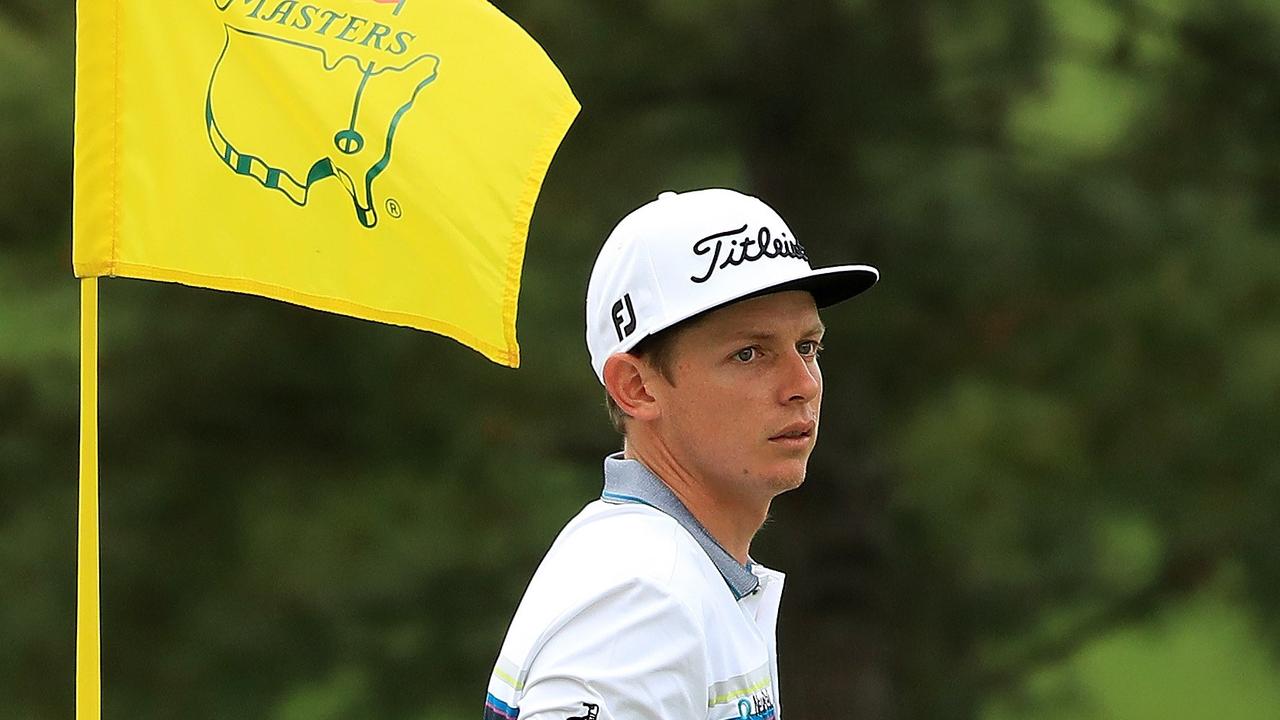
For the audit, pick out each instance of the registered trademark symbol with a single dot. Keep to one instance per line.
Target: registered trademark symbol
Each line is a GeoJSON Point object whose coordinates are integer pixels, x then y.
{"type": "Point", "coordinates": [393, 208]}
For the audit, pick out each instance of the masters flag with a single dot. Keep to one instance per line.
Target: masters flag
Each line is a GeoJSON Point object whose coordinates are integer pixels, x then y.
{"type": "Point", "coordinates": [376, 158]}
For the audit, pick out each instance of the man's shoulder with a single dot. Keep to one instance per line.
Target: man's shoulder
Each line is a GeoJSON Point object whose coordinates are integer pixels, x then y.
{"type": "Point", "coordinates": [616, 543]}
{"type": "Point", "coordinates": [608, 555]}
{"type": "Point", "coordinates": [611, 548]}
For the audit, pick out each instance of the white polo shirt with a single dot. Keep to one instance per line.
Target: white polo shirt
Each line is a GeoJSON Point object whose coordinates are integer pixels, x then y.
{"type": "Point", "coordinates": [636, 612]}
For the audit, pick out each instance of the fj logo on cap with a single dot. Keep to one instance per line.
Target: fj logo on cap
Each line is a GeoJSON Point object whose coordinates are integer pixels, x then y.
{"type": "Point", "coordinates": [744, 249]}
{"type": "Point", "coordinates": [624, 317]}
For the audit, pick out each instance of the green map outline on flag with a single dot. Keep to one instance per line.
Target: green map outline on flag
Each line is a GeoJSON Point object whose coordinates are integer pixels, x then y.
{"type": "Point", "coordinates": [295, 179]}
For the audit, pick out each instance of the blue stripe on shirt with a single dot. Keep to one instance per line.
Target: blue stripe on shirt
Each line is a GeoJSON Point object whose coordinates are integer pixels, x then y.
{"type": "Point", "coordinates": [495, 709]}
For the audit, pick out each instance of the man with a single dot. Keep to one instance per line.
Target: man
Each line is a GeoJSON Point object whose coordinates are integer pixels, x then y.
{"type": "Point", "coordinates": [702, 323]}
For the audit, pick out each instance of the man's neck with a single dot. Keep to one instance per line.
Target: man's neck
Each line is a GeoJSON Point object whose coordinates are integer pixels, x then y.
{"type": "Point", "coordinates": [732, 521]}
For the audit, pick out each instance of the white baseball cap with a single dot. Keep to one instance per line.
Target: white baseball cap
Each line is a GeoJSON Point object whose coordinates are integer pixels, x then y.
{"type": "Point", "coordinates": [686, 253]}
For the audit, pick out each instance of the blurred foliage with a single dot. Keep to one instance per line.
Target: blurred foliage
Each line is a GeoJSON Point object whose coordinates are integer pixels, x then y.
{"type": "Point", "coordinates": [1053, 425]}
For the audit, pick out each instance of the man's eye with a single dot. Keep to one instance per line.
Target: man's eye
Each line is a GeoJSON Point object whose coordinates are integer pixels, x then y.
{"type": "Point", "coordinates": [809, 348]}
{"type": "Point", "coordinates": [745, 355]}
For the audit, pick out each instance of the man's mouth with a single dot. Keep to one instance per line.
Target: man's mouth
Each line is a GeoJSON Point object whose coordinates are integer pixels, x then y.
{"type": "Point", "coordinates": [795, 433]}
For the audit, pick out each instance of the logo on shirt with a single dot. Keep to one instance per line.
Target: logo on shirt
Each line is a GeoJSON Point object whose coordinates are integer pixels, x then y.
{"type": "Point", "coordinates": [758, 707]}
{"type": "Point", "coordinates": [592, 711]}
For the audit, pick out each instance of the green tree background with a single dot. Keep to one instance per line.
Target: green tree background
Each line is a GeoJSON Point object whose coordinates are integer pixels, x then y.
{"type": "Point", "coordinates": [1049, 478]}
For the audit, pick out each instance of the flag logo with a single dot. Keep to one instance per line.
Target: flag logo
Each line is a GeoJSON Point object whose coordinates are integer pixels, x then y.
{"type": "Point", "coordinates": [373, 75]}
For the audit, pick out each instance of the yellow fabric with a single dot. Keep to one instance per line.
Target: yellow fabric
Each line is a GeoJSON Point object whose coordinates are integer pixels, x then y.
{"type": "Point", "coordinates": [88, 645]}
{"type": "Point", "coordinates": [376, 158]}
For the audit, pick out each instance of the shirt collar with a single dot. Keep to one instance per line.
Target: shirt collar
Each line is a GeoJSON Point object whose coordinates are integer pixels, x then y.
{"type": "Point", "coordinates": [631, 481]}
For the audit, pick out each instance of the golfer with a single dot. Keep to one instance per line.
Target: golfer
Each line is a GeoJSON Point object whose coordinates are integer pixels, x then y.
{"type": "Point", "coordinates": [702, 323]}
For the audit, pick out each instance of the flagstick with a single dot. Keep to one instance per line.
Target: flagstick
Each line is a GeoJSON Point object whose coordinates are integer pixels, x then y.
{"type": "Point", "coordinates": [88, 627]}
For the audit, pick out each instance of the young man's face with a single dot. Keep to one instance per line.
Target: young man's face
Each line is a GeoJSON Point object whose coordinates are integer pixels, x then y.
{"type": "Point", "coordinates": [741, 412]}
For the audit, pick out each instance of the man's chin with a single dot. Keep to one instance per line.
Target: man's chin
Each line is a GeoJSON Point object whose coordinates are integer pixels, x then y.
{"type": "Point", "coordinates": [789, 477]}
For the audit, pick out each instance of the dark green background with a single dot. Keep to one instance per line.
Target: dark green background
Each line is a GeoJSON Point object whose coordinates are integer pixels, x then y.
{"type": "Point", "coordinates": [1049, 476]}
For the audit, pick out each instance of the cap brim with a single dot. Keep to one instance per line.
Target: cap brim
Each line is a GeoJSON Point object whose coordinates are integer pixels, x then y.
{"type": "Point", "coordinates": [827, 285]}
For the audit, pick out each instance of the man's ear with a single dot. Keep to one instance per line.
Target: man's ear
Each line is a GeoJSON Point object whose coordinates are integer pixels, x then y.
{"type": "Point", "coordinates": [627, 378]}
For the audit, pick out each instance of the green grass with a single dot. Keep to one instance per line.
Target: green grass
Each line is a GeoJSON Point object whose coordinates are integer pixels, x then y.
{"type": "Point", "coordinates": [1200, 659]}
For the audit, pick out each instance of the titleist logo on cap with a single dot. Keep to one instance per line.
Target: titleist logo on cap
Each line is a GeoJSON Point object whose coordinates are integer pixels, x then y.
{"type": "Point", "coordinates": [747, 248]}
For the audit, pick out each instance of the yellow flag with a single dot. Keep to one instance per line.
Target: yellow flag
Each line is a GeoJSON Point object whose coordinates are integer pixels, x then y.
{"type": "Point", "coordinates": [376, 158]}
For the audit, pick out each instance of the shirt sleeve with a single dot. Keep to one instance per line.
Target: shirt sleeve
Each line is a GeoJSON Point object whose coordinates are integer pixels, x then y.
{"type": "Point", "coordinates": [634, 652]}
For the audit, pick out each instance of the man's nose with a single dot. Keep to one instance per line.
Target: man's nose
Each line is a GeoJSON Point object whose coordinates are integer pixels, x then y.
{"type": "Point", "coordinates": [802, 381]}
